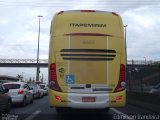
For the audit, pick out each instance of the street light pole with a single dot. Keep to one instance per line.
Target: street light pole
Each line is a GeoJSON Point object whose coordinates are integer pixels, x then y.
{"type": "Point", "coordinates": [125, 39]}
{"type": "Point", "coordinates": [145, 61]}
{"type": "Point", "coordinates": [22, 76]}
{"type": "Point", "coordinates": [38, 69]}
{"type": "Point", "coordinates": [125, 34]}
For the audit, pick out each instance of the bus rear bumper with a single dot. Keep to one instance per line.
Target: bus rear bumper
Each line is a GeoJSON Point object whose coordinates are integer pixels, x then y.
{"type": "Point", "coordinates": [95, 101]}
{"type": "Point", "coordinates": [75, 100]}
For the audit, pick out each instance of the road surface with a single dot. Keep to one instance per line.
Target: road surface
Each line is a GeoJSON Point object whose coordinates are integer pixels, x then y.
{"type": "Point", "coordinates": [40, 110]}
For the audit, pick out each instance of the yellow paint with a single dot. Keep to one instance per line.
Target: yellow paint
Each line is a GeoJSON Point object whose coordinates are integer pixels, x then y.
{"type": "Point", "coordinates": [87, 72]}
{"type": "Point", "coordinates": [117, 103]}
{"type": "Point", "coordinates": [53, 102]}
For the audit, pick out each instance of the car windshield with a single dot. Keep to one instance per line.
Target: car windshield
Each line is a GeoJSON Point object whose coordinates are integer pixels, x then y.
{"type": "Point", "coordinates": [12, 86]}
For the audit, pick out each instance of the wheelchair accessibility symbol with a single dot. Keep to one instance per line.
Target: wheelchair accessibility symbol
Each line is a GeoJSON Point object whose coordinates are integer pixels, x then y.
{"type": "Point", "coordinates": [70, 79]}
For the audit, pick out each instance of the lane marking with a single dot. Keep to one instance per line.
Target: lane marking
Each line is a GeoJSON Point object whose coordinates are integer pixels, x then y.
{"type": "Point", "coordinates": [32, 115]}
{"type": "Point", "coordinates": [121, 113]}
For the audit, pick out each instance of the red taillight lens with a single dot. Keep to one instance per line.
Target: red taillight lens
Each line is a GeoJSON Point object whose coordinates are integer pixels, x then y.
{"type": "Point", "coordinates": [53, 72]}
{"type": "Point", "coordinates": [121, 83]}
{"type": "Point", "coordinates": [87, 11]}
{"type": "Point", "coordinates": [20, 91]}
{"type": "Point", "coordinates": [122, 72]}
{"type": "Point", "coordinates": [57, 97]}
{"type": "Point", "coordinates": [53, 84]}
{"type": "Point", "coordinates": [118, 98]}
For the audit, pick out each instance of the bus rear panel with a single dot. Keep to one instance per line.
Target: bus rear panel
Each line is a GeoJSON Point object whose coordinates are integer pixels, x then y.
{"type": "Point", "coordinates": [87, 60]}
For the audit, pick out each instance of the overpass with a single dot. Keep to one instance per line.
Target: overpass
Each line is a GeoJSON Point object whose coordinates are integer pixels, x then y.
{"type": "Point", "coordinates": [44, 63]}
{"type": "Point", "coordinates": [23, 63]}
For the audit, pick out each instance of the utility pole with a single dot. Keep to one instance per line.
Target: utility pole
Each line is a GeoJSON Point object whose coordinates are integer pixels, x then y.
{"type": "Point", "coordinates": [38, 68]}
{"type": "Point", "coordinates": [42, 78]}
{"type": "Point", "coordinates": [145, 60]}
{"type": "Point", "coordinates": [125, 35]}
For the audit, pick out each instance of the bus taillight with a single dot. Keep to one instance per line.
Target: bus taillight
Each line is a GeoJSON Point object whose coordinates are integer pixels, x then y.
{"type": "Point", "coordinates": [122, 72]}
{"type": "Point", "coordinates": [53, 84]}
{"type": "Point", "coordinates": [53, 72]}
{"type": "Point", "coordinates": [121, 83]}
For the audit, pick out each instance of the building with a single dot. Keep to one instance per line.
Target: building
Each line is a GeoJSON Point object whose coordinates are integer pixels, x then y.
{"type": "Point", "coordinates": [6, 78]}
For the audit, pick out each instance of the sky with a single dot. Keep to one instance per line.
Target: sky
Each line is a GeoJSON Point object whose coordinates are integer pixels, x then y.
{"type": "Point", "coordinates": [19, 28]}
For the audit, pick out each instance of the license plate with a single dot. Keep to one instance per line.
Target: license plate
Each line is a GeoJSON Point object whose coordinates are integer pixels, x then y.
{"type": "Point", "coordinates": [88, 99]}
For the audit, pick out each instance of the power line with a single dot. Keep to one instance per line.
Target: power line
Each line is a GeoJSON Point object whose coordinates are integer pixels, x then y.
{"type": "Point", "coordinates": [97, 6]}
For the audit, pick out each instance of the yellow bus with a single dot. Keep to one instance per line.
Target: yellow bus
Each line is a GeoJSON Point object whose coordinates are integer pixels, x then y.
{"type": "Point", "coordinates": [87, 60]}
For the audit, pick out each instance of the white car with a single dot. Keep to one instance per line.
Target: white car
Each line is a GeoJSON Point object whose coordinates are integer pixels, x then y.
{"type": "Point", "coordinates": [37, 93]}
{"type": "Point", "coordinates": [20, 92]}
{"type": "Point", "coordinates": [44, 87]}
{"type": "Point", "coordinates": [40, 90]}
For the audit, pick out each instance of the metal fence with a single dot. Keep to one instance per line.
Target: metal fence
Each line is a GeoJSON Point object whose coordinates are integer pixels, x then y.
{"type": "Point", "coordinates": [143, 76]}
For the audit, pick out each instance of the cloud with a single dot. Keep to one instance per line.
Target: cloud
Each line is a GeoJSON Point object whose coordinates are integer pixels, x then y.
{"type": "Point", "coordinates": [142, 32]}
{"type": "Point", "coordinates": [19, 26]}
{"type": "Point", "coordinates": [3, 21]}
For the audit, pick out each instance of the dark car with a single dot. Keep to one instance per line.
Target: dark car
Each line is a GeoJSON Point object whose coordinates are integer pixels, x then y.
{"type": "Point", "coordinates": [156, 89]}
{"type": "Point", "coordinates": [5, 99]}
